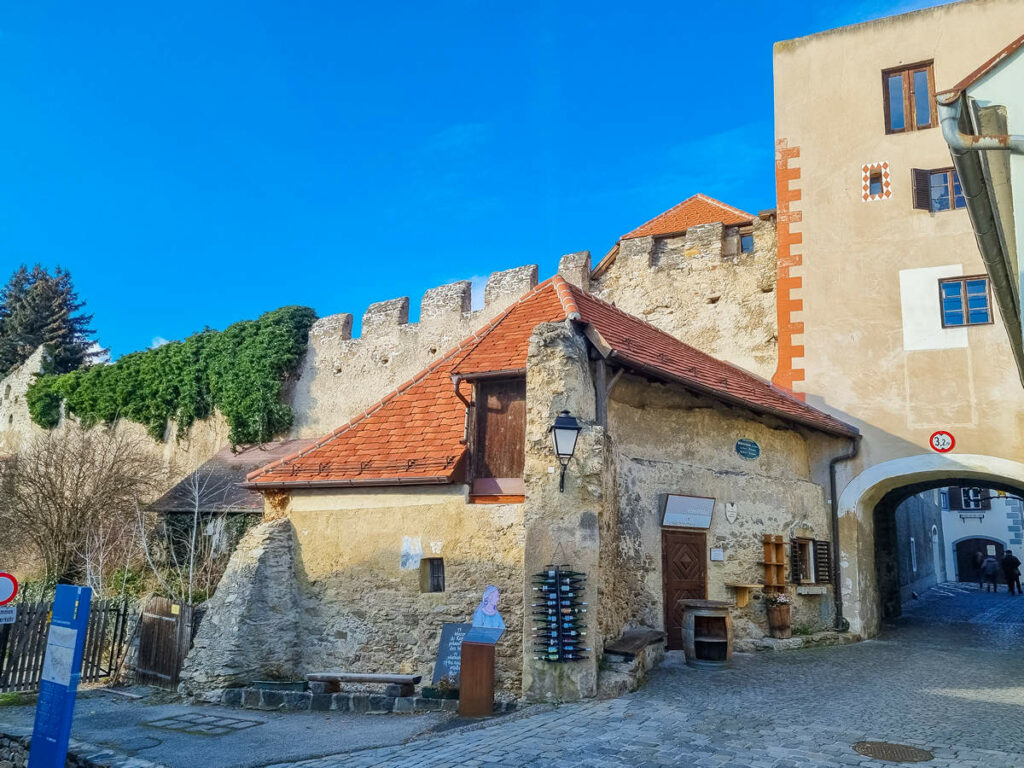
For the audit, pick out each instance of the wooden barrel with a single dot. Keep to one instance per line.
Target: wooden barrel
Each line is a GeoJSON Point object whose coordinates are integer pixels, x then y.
{"type": "Point", "coordinates": [778, 621]}
{"type": "Point", "coordinates": [707, 633]}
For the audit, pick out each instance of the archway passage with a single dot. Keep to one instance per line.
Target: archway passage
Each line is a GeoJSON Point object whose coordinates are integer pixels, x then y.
{"type": "Point", "coordinates": [942, 532]}
{"type": "Point", "coordinates": [873, 497]}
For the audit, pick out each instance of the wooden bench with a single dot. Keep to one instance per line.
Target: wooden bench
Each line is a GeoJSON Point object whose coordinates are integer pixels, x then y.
{"type": "Point", "coordinates": [397, 685]}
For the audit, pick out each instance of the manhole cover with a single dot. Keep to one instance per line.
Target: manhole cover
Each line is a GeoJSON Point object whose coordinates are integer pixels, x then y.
{"type": "Point", "coordinates": [896, 753]}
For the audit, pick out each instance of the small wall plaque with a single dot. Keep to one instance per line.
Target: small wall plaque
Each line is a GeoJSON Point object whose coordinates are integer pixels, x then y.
{"type": "Point", "coordinates": [747, 449]}
{"type": "Point", "coordinates": [717, 555]}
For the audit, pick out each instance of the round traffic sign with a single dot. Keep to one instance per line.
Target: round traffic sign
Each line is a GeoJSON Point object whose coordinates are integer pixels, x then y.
{"type": "Point", "coordinates": [942, 441]}
{"type": "Point", "coordinates": [8, 588]}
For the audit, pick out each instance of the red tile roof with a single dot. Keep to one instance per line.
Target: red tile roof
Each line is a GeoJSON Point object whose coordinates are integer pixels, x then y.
{"type": "Point", "coordinates": [699, 209]}
{"type": "Point", "coordinates": [981, 71]}
{"type": "Point", "coordinates": [414, 434]}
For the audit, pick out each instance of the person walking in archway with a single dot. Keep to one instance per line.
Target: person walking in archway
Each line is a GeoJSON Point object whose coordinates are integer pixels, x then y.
{"type": "Point", "coordinates": [990, 570]}
{"type": "Point", "coordinates": [1011, 571]}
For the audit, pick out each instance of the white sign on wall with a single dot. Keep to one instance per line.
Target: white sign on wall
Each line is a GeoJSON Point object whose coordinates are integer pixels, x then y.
{"type": "Point", "coordinates": [686, 511]}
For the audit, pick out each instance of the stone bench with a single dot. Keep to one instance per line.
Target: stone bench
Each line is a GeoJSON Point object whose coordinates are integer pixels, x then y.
{"type": "Point", "coordinates": [396, 685]}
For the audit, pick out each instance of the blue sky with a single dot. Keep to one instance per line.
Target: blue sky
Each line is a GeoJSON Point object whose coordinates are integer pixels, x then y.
{"type": "Point", "coordinates": [194, 164]}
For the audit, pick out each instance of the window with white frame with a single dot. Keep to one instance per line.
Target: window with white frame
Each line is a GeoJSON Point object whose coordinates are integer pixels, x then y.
{"type": "Point", "coordinates": [971, 498]}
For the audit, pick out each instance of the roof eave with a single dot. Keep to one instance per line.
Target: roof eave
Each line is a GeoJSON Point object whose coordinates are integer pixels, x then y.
{"type": "Point", "coordinates": [347, 483]}
{"type": "Point", "coordinates": [846, 430]}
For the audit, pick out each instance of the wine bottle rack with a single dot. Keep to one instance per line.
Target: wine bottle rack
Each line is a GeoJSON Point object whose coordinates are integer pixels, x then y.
{"type": "Point", "coordinates": [556, 610]}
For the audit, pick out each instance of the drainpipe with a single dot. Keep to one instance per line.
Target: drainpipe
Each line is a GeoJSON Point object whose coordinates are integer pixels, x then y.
{"type": "Point", "coordinates": [965, 150]}
{"type": "Point", "coordinates": [837, 587]}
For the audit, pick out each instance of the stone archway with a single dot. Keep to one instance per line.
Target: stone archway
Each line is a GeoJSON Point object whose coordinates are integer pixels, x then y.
{"type": "Point", "coordinates": [861, 495]}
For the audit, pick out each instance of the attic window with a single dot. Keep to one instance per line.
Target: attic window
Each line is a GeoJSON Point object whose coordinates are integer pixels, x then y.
{"type": "Point", "coordinates": [498, 446]}
{"type": "Point", "coordinates": [747, 242]}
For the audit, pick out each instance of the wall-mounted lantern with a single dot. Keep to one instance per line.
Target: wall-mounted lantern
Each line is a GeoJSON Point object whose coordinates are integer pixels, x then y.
{"type": "Point", "coordinates": [564, 432]}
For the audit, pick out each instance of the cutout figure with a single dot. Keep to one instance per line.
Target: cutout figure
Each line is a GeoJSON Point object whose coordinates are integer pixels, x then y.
{"type": "Point", "coordinates": [486, 614]}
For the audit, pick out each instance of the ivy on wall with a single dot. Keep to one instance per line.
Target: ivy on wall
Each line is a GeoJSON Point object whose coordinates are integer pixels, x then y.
{"type": "Point", "coordinates": [239, 371]}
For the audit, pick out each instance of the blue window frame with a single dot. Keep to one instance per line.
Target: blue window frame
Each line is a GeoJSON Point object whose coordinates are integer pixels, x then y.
{"type": "Point", "coordinates": [965, 301]}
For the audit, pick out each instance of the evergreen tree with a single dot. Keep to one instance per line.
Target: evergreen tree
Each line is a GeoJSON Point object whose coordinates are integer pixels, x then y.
{"type": "Point", "coordinates": [37, 308]}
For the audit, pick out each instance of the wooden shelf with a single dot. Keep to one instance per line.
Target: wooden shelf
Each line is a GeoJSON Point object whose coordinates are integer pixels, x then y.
{"type": "Point", "coordinates": [743, 593]}
{"type": "Point", "coordinates": [774, 561]}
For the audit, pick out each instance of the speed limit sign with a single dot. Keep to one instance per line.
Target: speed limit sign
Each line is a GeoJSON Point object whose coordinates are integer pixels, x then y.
{"type": "Point", "coordinates": [942, 441]}
{"type": "Point", "coordinates": [8, 588]}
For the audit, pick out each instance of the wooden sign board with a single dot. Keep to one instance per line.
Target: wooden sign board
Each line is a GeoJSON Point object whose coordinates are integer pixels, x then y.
{"type": "Point", "coordinates": [685, 511]}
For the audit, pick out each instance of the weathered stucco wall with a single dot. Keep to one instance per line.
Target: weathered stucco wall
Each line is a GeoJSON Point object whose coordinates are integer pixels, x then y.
{"type": "Point", "coordinates": [722, 305]}
{"type": "Point", "coordinates": [667, 441]}
{"type": "Point", "coordinates": [359, 581]}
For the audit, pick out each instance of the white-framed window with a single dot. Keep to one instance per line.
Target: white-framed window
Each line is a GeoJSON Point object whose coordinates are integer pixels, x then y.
{"type": "Point", "coordinates": [913, 554]}
{"type": "Point", "coordinates": [944, 498]}
{"type": "Point", "coordinates": [971, 498]}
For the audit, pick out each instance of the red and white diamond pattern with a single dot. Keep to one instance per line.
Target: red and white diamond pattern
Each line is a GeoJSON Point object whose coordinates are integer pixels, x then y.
{"type": "Point", "coordinates": [867, 170]}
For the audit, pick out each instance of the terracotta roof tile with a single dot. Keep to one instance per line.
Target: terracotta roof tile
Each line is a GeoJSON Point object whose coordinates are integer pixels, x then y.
{"type": "Point", "coordinates": [414, 434]}
{"type": "Point", "coordinates": [699, 209]}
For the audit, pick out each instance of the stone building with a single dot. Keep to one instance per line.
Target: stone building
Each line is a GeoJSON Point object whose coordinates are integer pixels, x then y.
{"type": "Point", "coordinates": [395, 522]}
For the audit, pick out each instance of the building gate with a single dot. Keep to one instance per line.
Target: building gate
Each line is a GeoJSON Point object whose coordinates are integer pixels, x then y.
{"type": "Point", "coordinates": [165, 636]}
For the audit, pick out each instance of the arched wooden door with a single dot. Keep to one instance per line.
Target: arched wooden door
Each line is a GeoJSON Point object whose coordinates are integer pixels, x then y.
{"type": "Point", "coordinates": [966, 566]}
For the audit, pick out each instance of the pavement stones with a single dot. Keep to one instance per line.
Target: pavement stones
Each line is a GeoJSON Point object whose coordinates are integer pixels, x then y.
{"type": "Point", "coordinates": [946, 677]}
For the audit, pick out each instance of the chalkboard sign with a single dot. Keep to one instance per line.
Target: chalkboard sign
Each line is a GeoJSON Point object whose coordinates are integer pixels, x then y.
{"type": "Point", "coordinates": [449, 653]}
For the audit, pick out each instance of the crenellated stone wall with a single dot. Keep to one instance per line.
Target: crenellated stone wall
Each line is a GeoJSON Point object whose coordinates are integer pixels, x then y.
{"type": "Point", "coordinates": [341, 376]}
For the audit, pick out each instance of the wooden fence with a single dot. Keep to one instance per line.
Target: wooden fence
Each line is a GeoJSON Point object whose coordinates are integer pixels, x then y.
{"type": "Point", "coordinates": [23, 644]}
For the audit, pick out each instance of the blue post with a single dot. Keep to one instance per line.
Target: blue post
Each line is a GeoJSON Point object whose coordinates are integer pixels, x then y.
{"type": "Point", "coordinates": [62, 669]}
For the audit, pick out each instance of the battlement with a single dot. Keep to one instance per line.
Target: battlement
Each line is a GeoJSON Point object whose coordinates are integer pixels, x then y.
{"type": "Point", "coordinates": [443, 304]}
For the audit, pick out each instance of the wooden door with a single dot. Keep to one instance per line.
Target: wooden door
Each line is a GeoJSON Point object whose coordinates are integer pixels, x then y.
{"type": "Point", "coordinates": [165, 636]}
{"type": "Point", "coordinates": [684, 573]}
{"type": "Point", "coordinates": [500, 440]}
{"type": "Point", "coordinates": [966, 560]}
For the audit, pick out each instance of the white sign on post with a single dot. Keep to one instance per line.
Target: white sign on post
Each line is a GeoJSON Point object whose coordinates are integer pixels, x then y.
{"type": "Point", "coordinates": [8, 613]}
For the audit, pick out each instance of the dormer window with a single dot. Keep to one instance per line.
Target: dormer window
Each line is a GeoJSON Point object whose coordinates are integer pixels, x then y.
{"type": "Point", "coordinates": [498, 447]}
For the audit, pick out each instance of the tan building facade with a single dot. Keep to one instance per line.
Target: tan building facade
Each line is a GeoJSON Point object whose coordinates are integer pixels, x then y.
{"type": "Point", "coordinates": [885, 316]}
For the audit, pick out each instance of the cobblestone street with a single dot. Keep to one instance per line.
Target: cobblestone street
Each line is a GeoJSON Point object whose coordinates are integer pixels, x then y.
{"type": "Point", "coordinates": [948, 677]}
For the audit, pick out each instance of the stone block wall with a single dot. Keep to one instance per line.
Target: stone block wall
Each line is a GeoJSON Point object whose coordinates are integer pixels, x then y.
{"type": "Point", "coordinates": [563, 527]}
{"type": "Point", "coordinates": [723, 305]}
{"type": "Point", "coordinates": [340, 376]}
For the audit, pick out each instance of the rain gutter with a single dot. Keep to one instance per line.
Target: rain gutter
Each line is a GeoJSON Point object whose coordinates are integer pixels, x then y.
{"type": "Point", "coordinates": [966, 149]}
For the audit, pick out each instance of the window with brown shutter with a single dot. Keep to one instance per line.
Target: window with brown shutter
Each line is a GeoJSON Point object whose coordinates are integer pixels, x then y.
{"type": "Point", "coordinates": [822, 562]}
{"type": "Point", "coordinates": [499, 437]}
{"type": "Point", "coordinates": [921, 181]}
{"type": "Point", "coordinates": [796, 562]}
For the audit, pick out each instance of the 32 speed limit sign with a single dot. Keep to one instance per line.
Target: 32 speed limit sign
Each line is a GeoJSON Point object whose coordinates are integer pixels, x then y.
{"type": "Point", "coordinates": [942, 441]}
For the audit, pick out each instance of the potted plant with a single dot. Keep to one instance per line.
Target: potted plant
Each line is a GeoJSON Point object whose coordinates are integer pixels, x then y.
{"type": "Point", "coordinates": [778, 605]}
{"type": "Point", "coordinates": [444, 689]}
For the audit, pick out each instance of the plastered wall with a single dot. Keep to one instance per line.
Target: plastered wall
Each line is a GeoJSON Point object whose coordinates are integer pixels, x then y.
{"type": "Point", "coordinates": [667, 441]}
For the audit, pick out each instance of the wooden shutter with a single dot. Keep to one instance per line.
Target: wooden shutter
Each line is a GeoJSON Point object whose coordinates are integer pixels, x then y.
{"type": "Point", "coordinates": [986, 498]}
{"type": "Point", "coordinates": [922, 188]}
{"type": "Point", "coordinates": [795, 564]}
{"type": "Point", "coordinates": [955, 499]}
{"type": "Point", "coordinates": [499, 447]}
{"type": "Point", "coordinates": [822, 562]}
